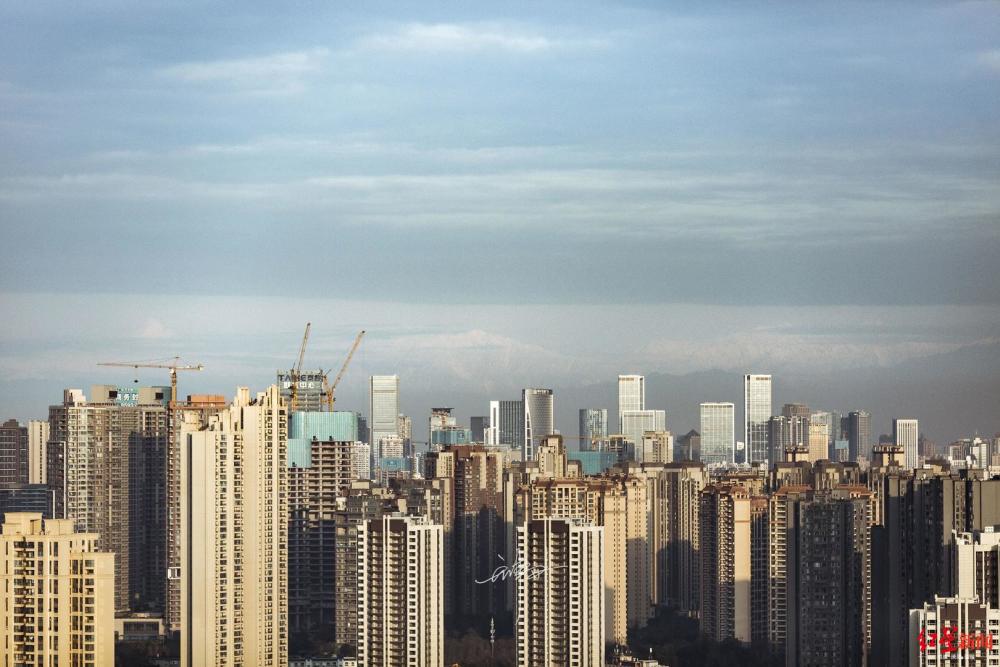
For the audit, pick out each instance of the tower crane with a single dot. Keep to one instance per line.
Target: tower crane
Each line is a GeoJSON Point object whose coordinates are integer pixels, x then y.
{"type": "Point", "coordinates": [172, 367]}
{"type": "Point", "coordinates": [329, 388]}
{"type": "Point", "coordinates": [297, 371]}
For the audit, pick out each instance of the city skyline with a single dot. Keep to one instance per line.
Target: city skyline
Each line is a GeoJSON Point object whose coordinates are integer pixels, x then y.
{"type": "Point", "coordinates": [636, 333]}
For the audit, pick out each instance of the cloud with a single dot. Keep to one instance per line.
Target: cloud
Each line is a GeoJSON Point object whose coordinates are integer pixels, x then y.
{"type": "Point", "coordinates": [804, 353]}
{"type": "Point", "coordinates": [772, 203]}
{"type": "Point", "coordinates": [454, 37]}
{"type": "Point", "coordinates": [276, 73]}
{"type": "Point", "coordinates": [990, 60]}
{"type": "Point", "coordinates": [154, 328]}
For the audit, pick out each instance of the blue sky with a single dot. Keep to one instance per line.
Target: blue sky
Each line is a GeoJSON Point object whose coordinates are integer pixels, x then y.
{"type": "Point", "coordinates": [812, 185]}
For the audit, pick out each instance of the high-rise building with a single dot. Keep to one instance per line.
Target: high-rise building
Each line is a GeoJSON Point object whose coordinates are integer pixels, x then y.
{"type": "Point", "coordinates": [912, 554]}
{"type": "Point", "coordinates": [687, 447]}
{"type": "Point", "coordinates": [756, 412]}
{"type": "Point", "coordinates": [819, 442]}
{"type": "Point", "coordinates": [107, 463]}
{"type": "Point", "coordinates": [318, 474]}
{"type": "Point", "coordinates": [405, 426]}
{"type": "Point", "coordinates": [759, 563]}
{"type": "Point", "coordinates": [724, 535]}
{"type": "Point", "coordinates": [681, 485]}
{"type": "Point", "coordinates": [859, 434]}
{"type": "Point", "coordinates": [309, 394]}
{"type": "Point", "coordinates": [13, 453]}
{"type": "Point", "coordinates": [361, 460]}
{"type": "Point", "coordinates": [634, 423]}
{"type": "Point", "coordinates": [976, 566]}
{"type": "Point", "coordinates": [362, 503]}
{"type": "Point", "coordinates": [400, 607]}
{"type": "Point", "coordinates": [383, 408]}
{"type": "Point", "coordinates": [717, 437]}
{"type": "Point", "coordinates": [786, 433]}
{"type": "Point", "coordinates": [829, 610]}
{"type": "Point", "coordinates": [631, 395]}
{"type": "Point", "coordinates": [593, 427]}
{"type": "Point", "coordinates": [478, 426]}
{"type": "Point", "coordinates": [560, 593]}
{"type": "Point", "coordinates": [195, 410]}
{"type": "Point", "coordinates": [303, 427]}
{"type": "Point", "coordinates": [783, 508]}
{"type": "Point", "coordinates": [507, 424]}
{"type": "Point", "coordinates": [619, 505]}
{"type": "Point", "coordinates": [444, 429]}
{"type": "Point", "coordinates": [32, 498]}
{"type": "Point", "coordinates": [59, 594]}
{"type": "Point", "coordinates": [656, 447]}
{"type": "Point", "coordinates": [38, 438]}
{"type": "Point", "coordinates": [539, 419]}
{"type": "Point", "coordinates": [953, 631]}
{"type": "Point", "coordinates": [477, 537]}
{"type": "Point", "coordinates": [795, 410]}
{"type": "Point", "coordinates": [906, 434]}
{"type": "Point", "coordinates": [234, 534]}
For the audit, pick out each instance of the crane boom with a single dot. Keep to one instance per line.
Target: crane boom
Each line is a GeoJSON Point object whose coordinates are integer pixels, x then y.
{"type": "Point", "coordinates": [302, 350]}
{"type": "Point", "coordinates": [297, 371]}
{"type": "Point", "coordinates": [332, 388]}
{"type": "Point", "coordinates": [173, 368]}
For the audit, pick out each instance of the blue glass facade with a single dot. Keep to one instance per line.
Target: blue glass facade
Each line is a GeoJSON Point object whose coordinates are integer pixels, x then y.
{"type": "Point", "coordinates": [304, 426]}
{"type": "Point", "coordinates": [594, 462]}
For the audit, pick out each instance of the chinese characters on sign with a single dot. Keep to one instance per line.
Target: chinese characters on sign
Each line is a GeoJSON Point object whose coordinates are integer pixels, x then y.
{"type": "Point", "coordinates": [951, 641]}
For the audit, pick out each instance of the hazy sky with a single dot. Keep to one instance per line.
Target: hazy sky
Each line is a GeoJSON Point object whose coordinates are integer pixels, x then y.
{"type": "Point", "coordinates": [503, 195]}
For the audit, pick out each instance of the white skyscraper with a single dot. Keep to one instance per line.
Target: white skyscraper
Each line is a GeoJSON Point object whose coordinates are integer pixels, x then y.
{"type": "Point", "coordinates": [631, 396]}
{"type": "Point", "coordinates": [234, 534]}
{"type": "Point", "coordinates": [560, 587]}
{"type": "Point", "coordinates": [756, 412]}
{"type": "Point", "coordinates": [539, 419]}
{"type": "Point", "coordinates": [383, 410]}
{"type": "Point", "coordinates": [634, 423]}
{"type": "Point", "coordinates": [400, 603]}
{"type": "Point", "coordinates": [717, 432]}
{"type": "Point", "coordinates": [906, 434]}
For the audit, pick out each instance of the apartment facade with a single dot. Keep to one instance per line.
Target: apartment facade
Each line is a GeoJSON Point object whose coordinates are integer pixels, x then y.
{"type": "Point", "coordinates": [234, 536]}
{"type": "Point", "coordinates": [58, 607]}
{"type": "Point", "coordinates": [560, 593]}
{"type": "Point", "coordinates": [400, 592]}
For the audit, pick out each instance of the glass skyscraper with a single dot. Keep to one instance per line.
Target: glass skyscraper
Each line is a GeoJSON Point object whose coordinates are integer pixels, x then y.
{"type": "Point", "coordinates": [717, 432]}
{"type": "Point", "coordinates": [756, 412]}
{"type": "Point", "coordinates": [631, 396]}
{"type": "Point", "coordinates": [593, 427]}
{"type": "Point", "coordinates": [384, 408]}
{"type": "Point", "coordinates": [539, 419]}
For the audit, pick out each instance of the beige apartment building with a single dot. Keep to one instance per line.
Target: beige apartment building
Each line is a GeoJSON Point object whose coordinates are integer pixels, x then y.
{"type": "Point", "coordinates": [560, 593]}
{"type": "Point", "coordinates": [618, 505]}
{"type": "Point", "coordinates": [57, 591]}
{"type": "Point", "coordinates": [234, 535]}
{"type": "Point", "coordinates": [725, 563]}
{"type": "Point", "coordinates": [106, 463]}
{"type": "Point", "coordinates": [400, 599]}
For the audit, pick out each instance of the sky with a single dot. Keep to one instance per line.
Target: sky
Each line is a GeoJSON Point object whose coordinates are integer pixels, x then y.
{"type": "Point", "coordinates": [507, 195]}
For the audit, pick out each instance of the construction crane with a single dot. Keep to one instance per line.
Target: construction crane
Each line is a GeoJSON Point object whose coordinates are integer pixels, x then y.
{"type": "Point", "coordinates": [297, 371]}
{"type": "Point", "coordinates": [173, 368]}
{"type": "Point", "coordinates": [331, 388]}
